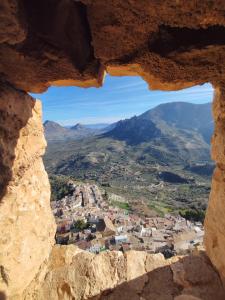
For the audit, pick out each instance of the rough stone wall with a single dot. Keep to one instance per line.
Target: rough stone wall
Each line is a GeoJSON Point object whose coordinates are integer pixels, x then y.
{"type": "Point", "coordinates": [171, 44]}
{"type": "Point", "coordinates": [75, 274]}
{"type": "Point", "coordinates": [48, 43]}
{"type": "Point", "coordinates": [26, 221]}
{"type": "Point", "coordinates": [215, 221]}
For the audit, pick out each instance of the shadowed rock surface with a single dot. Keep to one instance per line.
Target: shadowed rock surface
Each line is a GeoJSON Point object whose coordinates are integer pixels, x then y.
{"type": "Point", "coordinates": [75, 274]}
{"type": "Point", "coordinates": [171, 45]}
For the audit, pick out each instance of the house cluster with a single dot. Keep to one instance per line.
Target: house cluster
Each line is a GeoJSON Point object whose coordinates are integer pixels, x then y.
{"type": "Point", "coordinates": [88, 221]}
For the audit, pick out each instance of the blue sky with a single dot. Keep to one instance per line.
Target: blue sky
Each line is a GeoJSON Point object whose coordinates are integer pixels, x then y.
{"type": "Point", "coordinates": [119, 98]}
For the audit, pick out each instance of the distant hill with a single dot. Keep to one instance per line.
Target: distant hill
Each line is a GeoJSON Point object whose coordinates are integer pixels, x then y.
{"type": "Point", "coordinates": [109, 127]}
{"type": "Point", "coordinates": [179, 128]}
{"type": "Point", "coordinates": [186, 116]}
{"type": "Point", "coordinates": [166, 120]}
{"type": "Point", "coordinates": [97, 125]}
{"type": "Point", "coordinates": [56, 132]}
{"type": "Point", "coordinates": [134, 131]}
{"type": "Point", "coordinates": [82, 131]}
{"type": "Point", "coordinates": [168, 144]}
{"type": "Point", "coordinates": [170, 134]}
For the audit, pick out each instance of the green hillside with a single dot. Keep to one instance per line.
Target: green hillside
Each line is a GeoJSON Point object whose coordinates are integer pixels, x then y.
{"type": "Point", "coordinates": [156, 162]}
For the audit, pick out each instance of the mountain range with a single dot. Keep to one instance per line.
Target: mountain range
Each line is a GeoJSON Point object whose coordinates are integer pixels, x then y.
{"type": "Point", "coordinates": [176, 130]}
{"type": "Point", "coordinates": [177, 118]}
{"type": "Point", "coordinates": [164, 120]}
{"type": "Point", "coordinates": [56, 132]}
{"type": "Point", "coordinates": [169, 143]}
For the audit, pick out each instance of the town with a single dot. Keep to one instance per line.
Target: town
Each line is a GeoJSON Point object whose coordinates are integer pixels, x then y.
{"type": "Point", "coordinates": [86, 219]}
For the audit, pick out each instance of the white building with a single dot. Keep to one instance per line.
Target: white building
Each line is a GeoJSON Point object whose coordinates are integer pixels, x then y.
{"type": "Point", "coordinates": [145, 232]}
{"type": "Point", "coordinates": [121, 239]}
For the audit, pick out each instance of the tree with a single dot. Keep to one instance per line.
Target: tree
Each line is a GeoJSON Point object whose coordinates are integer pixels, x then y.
{"type": "Point", "coordinates": [80, 225]}
{"type": "Point", "coordinates": [195, 215]}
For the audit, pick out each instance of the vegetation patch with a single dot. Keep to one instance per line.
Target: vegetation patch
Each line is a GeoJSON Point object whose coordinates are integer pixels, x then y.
{"type": "Point", "coordinates": [193, 215]}
{"type": "Point", "coordinates": [60, 187]}
{"type": "Point", "coordinates": [122, 205]}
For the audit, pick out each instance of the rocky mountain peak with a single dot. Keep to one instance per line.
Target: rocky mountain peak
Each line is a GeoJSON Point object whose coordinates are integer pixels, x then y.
{"type": "Point", "coordinates": [78, 126]}
{"type": "Point", "coordinates": [49, 123]}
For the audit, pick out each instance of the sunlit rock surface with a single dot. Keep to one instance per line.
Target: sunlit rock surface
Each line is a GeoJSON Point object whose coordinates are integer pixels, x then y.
{"type": "Point", "coordinates": [215, 221]}
{"type": "Point", "coordinates": [26, 221]}
{"type": "Point", "coordinates": [72, 273]}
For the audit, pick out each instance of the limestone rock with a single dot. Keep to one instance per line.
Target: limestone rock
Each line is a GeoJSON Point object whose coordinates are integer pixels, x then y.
{"type": "Point", "coordinates": [72, 273]}
{"type": "Point", "coordinates": [186, 297]}
{"type": "Point", "coordinates": [171, 45]}
{"type": "Point", "coordinates": [56, 50]}
{"type": "Point", "coordinates": [196, 276]}
{"type": "Point", "coordinates": [215, 221]}
{"type": "Point", "coordinates": [25, 213]}
{"type": "Point", "coordinates": [13, 26]}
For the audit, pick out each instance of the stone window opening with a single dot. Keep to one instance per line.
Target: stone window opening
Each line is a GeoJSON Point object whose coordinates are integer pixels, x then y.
{"type": "Point", "coordinates": [54, 163]}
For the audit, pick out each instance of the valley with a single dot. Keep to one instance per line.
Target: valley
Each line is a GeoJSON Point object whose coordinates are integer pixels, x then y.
{"type": "Point", "coordinates": [96, 220]}
{"type": "Point", "coordinates": [159, 162]}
